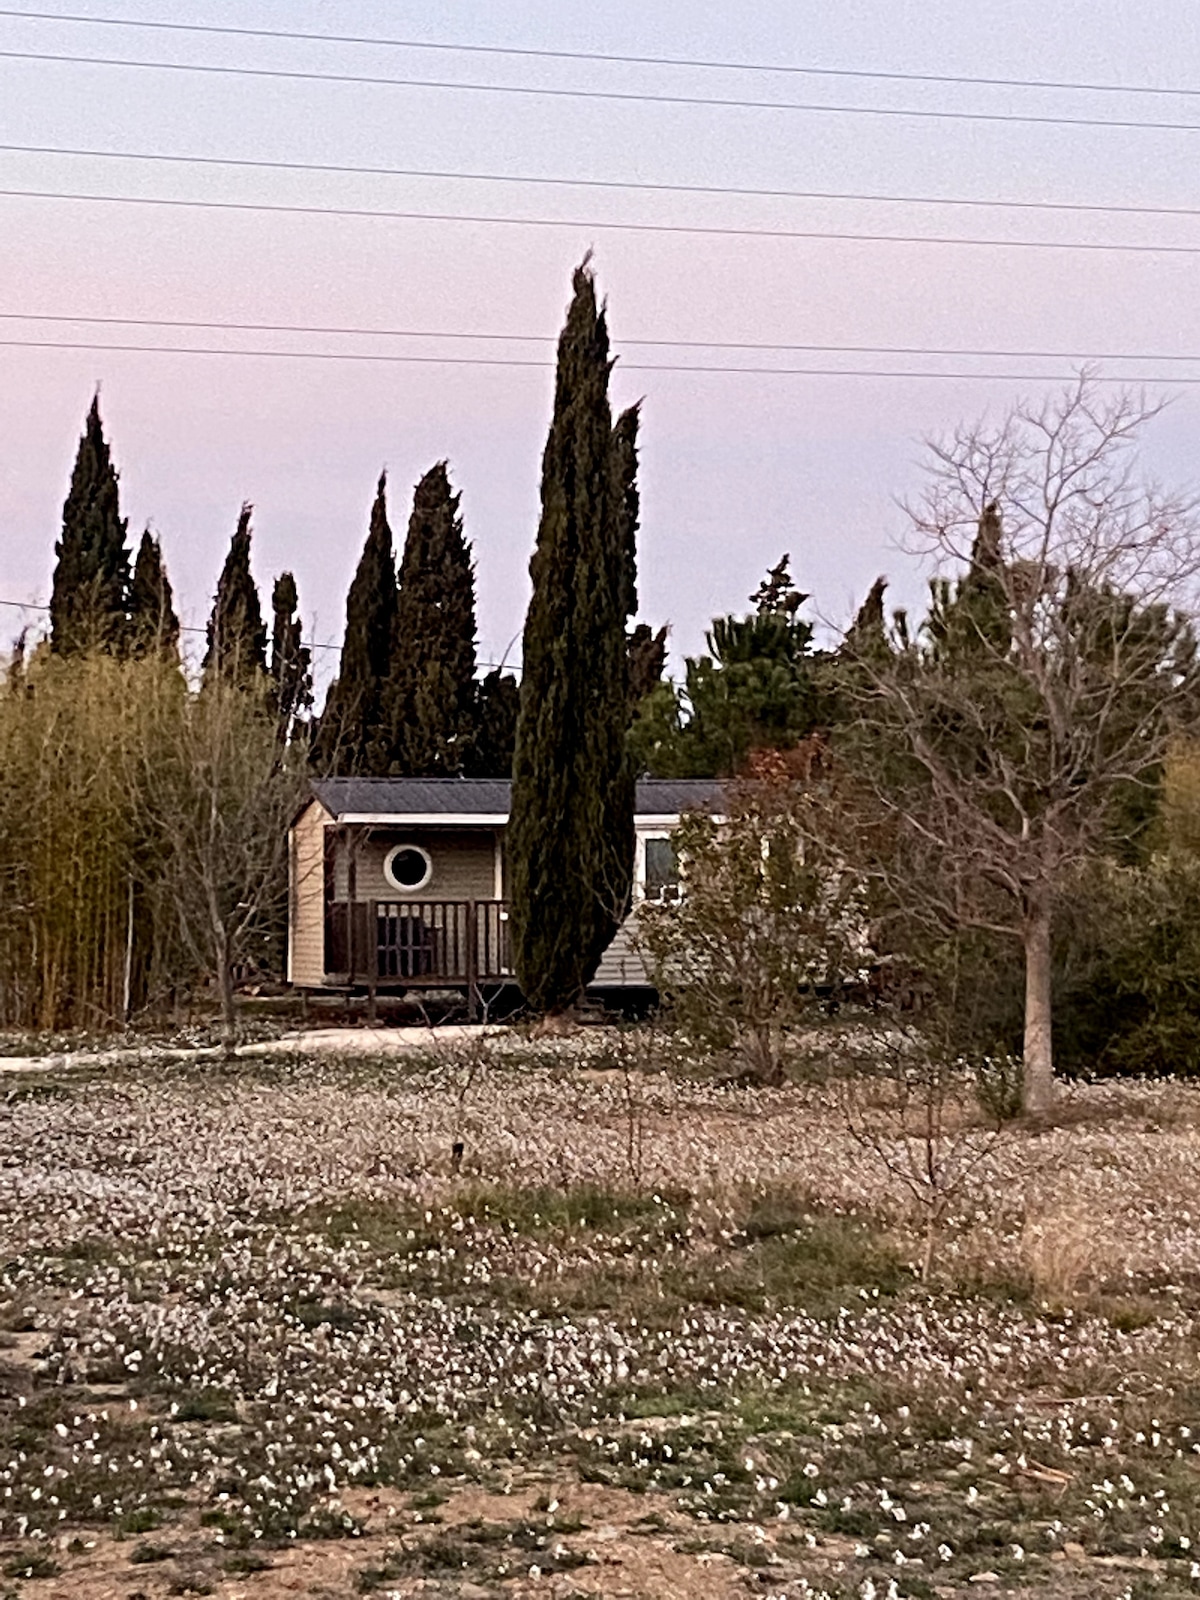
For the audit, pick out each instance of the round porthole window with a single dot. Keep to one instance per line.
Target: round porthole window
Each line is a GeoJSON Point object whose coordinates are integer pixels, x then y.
{"type": "Point", "coordinates": [408, 868]}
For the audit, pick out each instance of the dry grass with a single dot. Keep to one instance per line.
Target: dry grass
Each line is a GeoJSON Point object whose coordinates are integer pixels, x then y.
{"type": "Point", "coordinates": [351, 1362]}
{"type": "Point", "coordinates": [1068, 1252]}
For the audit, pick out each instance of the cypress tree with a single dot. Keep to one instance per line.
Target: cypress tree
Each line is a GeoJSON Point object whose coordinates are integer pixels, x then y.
{"type": "Point", "coordinates": [91, 578]}
{"type": "Point", "coordinates": [866, 637]}
{"type": "Point", "coordinates": [571, 829]}
{"type": "Point", "coordinates": [353, 737]}
{"type": "Point", "coordinates": [291, 661]}
{"type": "Point", "coordinates": [431, 693]}
{"type": "Point", "coordinates": [647, 660]}
{"type": "Point", "coordinates": [153, 625]}
{"type": "Point", "coordinates": [237, 638]}
{"type": "Point", "coordinates": [497, 705]}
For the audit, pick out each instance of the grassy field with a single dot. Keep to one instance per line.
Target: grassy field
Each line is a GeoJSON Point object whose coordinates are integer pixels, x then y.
{"type": "Point", "coordinates": [527, 1323]}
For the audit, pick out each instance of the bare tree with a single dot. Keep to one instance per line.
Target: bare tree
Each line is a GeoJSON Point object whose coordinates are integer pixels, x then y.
{"type": "Point", "coordinates": [914, 1109]}
{"type": "Point", "coordinates": [214, 783]}
{"type": "Point", "coordinates": [770, 917]}
{"type": "Point", "coordinates": [1024, 731]}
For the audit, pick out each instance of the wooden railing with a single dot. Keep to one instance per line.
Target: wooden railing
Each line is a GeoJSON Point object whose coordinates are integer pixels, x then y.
{"type": "Point", "coordinates": [419, 942]}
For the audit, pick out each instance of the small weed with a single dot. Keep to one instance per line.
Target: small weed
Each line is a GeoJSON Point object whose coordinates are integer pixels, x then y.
{"type": "Point", "coordinates": [584, 1207]}
{"type": "Point", "coordinates": [144, 1520]}
{"type": "Point", "coordinates": [244, 1562]}
{"type": "Point", "coordinates": [146, 1554]}
{"type": "Point", "coordinates": [317, 1314]}
{"type": "Point", "coordinates": [205, 1405]}
{"type": "Point", "coordinates": [428, 1500]}
{"type": "Point", "coordinates": [33, 1566]}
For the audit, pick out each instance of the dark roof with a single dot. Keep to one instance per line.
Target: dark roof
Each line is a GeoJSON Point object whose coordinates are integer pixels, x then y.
{"type": "Point", "coordinates": [487, 797]}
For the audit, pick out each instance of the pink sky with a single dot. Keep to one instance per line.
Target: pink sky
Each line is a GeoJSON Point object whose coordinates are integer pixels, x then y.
{"type": "Point", "coordinates": [736, 469]}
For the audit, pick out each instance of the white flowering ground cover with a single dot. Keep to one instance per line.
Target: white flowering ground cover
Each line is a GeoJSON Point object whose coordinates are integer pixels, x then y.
{"type": "Point", "coordinates": [267, 1332]}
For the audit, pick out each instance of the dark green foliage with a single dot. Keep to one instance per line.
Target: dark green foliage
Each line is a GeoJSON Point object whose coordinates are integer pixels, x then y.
{"type": "Point", "coordinates": [866, 638]}
{"type": "Point", "coordinates": [497, 705]}
{"type": "Point", "coordinates": [775, 594]}
{"type": "Point", "coordinates": [88, 603]}
{"type": "Point", "coordinates": [353, 736]}
{"type": "Point", "coordinates": [759, 688]}
{"type": "Point", "coordinates": [237, 637]}
{"type": "Point", "coordinates": [647, 658]}
{"type": "Point", "coordinates": [626, 506]}
{"type": "Point", "coordinates": [291, 660]}
{"type": "Point", "coordinates": [431, 697]}
{"type": "Point", "coordinates": [1127, 990]}
{"type": "Point", "coordinates": [971, 621]}
{"type": "Point", "coordinates": [571, 831]}
{"type": "Point", "coordinates": [153, 625]}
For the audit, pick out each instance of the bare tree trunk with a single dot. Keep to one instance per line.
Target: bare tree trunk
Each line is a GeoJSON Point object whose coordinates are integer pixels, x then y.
{"type": "Point", "coordinates": [228, 1008]}
{"type": "Point", "coordinates": [1038, 1077]}
{"type": "Point", "coordinates": [127, 986]}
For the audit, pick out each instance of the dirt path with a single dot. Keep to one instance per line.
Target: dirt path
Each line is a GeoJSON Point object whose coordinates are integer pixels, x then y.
{"type": "Point", "coordinates": [363, 1041]}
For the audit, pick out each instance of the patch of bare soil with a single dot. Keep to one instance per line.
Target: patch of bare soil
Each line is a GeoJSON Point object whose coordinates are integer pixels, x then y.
{"type": "Point", "coordinates": [613, 1545]}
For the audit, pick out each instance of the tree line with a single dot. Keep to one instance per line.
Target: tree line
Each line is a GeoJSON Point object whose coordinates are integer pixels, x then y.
{"type": "Point", "coordinates": [1012, 777]}
{"type": "Point", "coordinates": [144, 810]}
{"type": "Point", "coordinates": [997, 802]}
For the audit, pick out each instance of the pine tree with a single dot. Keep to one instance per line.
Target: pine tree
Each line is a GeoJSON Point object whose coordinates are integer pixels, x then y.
{"type": "Point", "coordinates": [775, 594]}
{"type": "Point", "coordinates": [153, 625]}
{"type": "Point", "coordinates": [353, 737]}
{"type": "Point", "coordinates": [91, 579]}
{"type": "Point", "coordinates": [291, 661]}
{"type": "Point", "coordinates": [571, 829]}
{"type": "Point", "coordinates": [431, 694]}
{"type": "Point", "coordinates": [237, 638]}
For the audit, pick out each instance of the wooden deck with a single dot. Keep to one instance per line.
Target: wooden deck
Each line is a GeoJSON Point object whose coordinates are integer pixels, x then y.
{"type": "Point", "coordinates": [425, 944]}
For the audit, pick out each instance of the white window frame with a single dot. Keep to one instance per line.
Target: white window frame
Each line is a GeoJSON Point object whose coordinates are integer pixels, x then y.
{"type": "Point", "coordinates": [656, 899]}
{"type": "Point", "coordinates": [408, 888]}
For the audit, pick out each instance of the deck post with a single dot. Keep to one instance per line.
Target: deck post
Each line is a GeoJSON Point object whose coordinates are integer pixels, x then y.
{"type": "Point", "coordinates": [351, 900]}
{"type": "Point", "coordinates": [372, 957]}
{"type": "Point", "coordinates": [473, 1005]}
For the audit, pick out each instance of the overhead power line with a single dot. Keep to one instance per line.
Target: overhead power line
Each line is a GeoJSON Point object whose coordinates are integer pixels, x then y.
{"type": "Point", "coordinates": [456, 334]}
{"type": "Point", "coordinates": [625, 96]}
{"type": "Point", "coordinates": [513, 52]}
{"type": "Point", "coordinates": [307, 644]}
{"type": "Point", "coordinates": [404, 359]}
{"type": "Point", "coordinates": [595, 225]}
{"type": "Point", "coordinates": [349, 168]}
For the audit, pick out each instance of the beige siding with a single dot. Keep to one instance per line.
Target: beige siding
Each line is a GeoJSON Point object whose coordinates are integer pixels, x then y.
{"type": "Point", "coordinates": [464, 864]}
{"type": "Point", "coordinates": [621, 966]}
{"type": "Point", "coordinates": [306, 943]}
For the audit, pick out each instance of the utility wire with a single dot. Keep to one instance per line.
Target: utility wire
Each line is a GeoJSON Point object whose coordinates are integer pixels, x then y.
{"type": "Point", "coordinates": [307, 644]}
{"type": "Point", "coordinates": [344, 168]}
{"type": "Point", "coordinates": [625, 96]}
{"type": "Point", "coordinates": [550, 338]}
{"type": "Point", "coordinates": [391, 358]}
{"type": "Point", "coordinates": [592, 224]}
{"type": "Point", "coordinates": [511, 51]}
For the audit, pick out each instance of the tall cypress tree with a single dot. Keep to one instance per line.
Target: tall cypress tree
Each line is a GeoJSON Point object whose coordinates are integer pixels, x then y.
{"type": "Point", "coordinates": [431, 694]}
{"type": "Point", "coordinates": [153, 625]}
{"type": "Point", "coordinates": [291, 661]}
{"type": "Point", "coordinates": [237, 638]}
{"type": "Point", "coordinates": [570, 833]}
{"type": "Point", "coordinates": [353, 737]}
{"type": "Point", "coordinates": [91, 578]}
{"type": "Point", "coordinates": [866, 637]}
